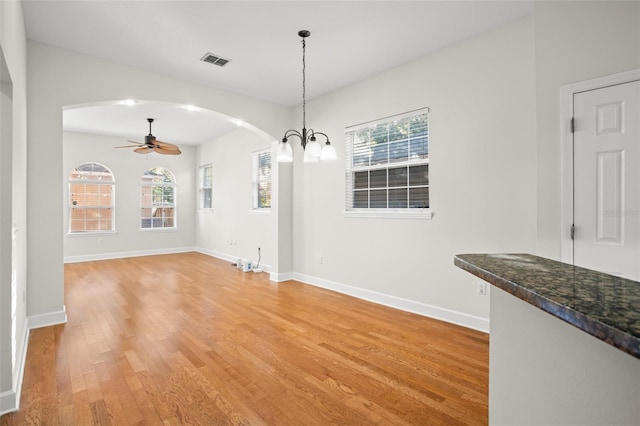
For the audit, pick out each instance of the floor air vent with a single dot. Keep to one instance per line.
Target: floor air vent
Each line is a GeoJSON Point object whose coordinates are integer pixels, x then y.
{"type": "Point", "coordinates": [215, 59]}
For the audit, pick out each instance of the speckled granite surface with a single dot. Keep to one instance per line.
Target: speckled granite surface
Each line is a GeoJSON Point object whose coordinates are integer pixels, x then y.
{"type": "Point", "coordinates": [605, 306]}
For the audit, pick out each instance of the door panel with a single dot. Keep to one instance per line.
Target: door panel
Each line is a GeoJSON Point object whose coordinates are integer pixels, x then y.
{"type": "Point", "coordinates": [607, 179]}
{"type": "Point", "coordinates": [609, 196]}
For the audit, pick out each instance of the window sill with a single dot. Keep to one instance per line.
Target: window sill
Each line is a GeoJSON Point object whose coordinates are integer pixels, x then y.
{"type": "Point", "coordinates": [157, 229]}
{"type": "Point", "coordinates": [260, 211]}
{"type": "Point", "coordinates": [389, 214]}
{"type": "Point", "coordinates": [90, 234]}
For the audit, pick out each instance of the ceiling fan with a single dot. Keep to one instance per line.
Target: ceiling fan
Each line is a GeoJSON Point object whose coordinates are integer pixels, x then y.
{"type": "Point", "coordinates": [151, 144]}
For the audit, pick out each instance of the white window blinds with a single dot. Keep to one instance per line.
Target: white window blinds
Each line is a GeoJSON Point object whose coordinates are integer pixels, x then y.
{"type": "Point", "coordinates": [388, 163]}
{"type": "Point", "coordinates": [261, 180]}
{"type": "Point", "coordinates": [206, 186]}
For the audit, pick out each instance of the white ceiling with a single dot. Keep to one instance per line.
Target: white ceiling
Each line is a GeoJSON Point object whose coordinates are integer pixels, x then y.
{"type": "Point", "coordinates": [177, 124]}
{"type": "Point", "coordinates": [350, 40]}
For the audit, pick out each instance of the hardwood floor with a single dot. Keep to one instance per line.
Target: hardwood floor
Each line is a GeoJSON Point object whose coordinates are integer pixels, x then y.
{"type": "Point", "coordinates": [188, 339]}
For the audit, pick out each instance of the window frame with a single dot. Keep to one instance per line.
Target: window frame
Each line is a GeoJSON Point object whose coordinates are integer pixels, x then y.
{"type": "Point", "coordinates": [203, 187]}
{"type": "Point", "coordinates": [257, 179]}
{"type": "Point", "coordinates": [70, 202]}
{"type": "Point", "coordinates": [351, 170]}
{"type": "Point", "coordinates": [173, 205]}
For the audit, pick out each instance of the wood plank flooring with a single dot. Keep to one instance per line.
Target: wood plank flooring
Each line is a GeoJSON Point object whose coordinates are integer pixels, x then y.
{"type": "Point", "coordinates": [188, 339]}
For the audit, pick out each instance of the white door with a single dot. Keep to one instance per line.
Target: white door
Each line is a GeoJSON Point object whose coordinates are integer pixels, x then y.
{"type": "Point", "coordinates": [607, 179]}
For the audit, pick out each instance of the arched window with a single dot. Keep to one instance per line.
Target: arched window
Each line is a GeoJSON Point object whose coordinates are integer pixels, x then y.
{"type": "Point", "coordinates": [91, 199]}
{"type": "Point", "coordinates": [157, 199]}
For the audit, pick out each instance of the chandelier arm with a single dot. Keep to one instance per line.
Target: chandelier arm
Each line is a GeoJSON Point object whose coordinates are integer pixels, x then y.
{"type": "Point", "coordinates": [319, 133]}
{"type": "Point", "coordinates": [291, 132]}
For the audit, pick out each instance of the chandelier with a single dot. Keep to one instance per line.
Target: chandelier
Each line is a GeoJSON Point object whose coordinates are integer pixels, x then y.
{"type": "Point", "coordinates": [313, 152]}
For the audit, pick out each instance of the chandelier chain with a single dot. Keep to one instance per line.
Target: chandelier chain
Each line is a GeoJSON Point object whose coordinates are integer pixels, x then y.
{"type": "Point", "coordinates": [304, 85]}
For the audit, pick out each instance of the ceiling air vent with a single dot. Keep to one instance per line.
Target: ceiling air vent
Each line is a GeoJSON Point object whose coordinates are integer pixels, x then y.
{"type": "Point", "coordinates": [215, 59]}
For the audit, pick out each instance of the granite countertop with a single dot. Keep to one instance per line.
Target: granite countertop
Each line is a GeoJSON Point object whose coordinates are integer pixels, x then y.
{"type": "Point", "coordinates": [603, 305]}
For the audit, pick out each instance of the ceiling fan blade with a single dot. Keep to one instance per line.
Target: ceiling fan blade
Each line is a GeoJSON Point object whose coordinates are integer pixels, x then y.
{"type": "Point", "coordinates": [139, 144]}
{"type": "Point", "coordinates": [160, 149]}
{"type": "Point", "coordinates": [166, 145]}
{"type": "Point", "coordinates": [143, 150]}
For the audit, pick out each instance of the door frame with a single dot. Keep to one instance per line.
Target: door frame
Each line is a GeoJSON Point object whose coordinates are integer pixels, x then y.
{"type": "Point", "coordinates": [566, 140]}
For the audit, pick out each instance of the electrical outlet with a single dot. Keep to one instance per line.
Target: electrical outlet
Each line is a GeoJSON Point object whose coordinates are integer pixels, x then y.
{"type": "Point", "coordinates": [320, 259]}
{"type": "Point", "coordinates": [482, 288]}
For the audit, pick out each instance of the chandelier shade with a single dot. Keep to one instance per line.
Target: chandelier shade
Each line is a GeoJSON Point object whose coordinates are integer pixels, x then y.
{"type": "Point", "coordinates": [313, 150]}
{"type": "Point", "coordinates": [328, 153]}
{"type": "Point", "coordinates": [284, 153]}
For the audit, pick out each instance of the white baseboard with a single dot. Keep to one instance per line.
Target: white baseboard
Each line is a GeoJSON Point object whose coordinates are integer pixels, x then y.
{"type": "Point", "coordinates": [284, 276]}
{"type": "Point", "coordinates": [217, 254]}
{"type": "Point", "coordinates": [10, 400]}
{"type": "Point", "coordinates": [45, 320]}
{"type": "Point", "coordinates": [123, 254]}
{"type": "Point", "coordinates": [138, 253]}
{"type": "Point", "coordinates": [424, 309]}
{"type": "Point", "coordinates": [227, 257]}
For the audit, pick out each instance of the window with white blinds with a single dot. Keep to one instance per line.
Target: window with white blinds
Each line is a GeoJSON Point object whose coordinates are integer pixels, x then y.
{"type": "Point", "coordinates": [206, 186]}
{"type": "Point", "coordinates": [261, 180]}
{"type": "Point", "coordinates": [387, 168]}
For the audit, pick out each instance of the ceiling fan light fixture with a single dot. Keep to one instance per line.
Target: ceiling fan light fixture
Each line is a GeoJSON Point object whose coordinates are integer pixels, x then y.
{"type": "Point", "coordinates": [151, 144]}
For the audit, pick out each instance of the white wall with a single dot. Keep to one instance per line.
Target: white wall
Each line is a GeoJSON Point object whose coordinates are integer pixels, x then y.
{"type": "Point", "coordinates": [7, 290]}
{"type": "Point", "coordinates": [482, 175]}
{"type": "Point", "coordinates": [231, 217]}
{"type": "Point", "coordinates": [128, 167]}
{"type": "Point", "coordinates": [13, 333]}
{"type": "Point", "coordinates": [61, 78]}
{"type": "Point", "coordinates": [574, 41]}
